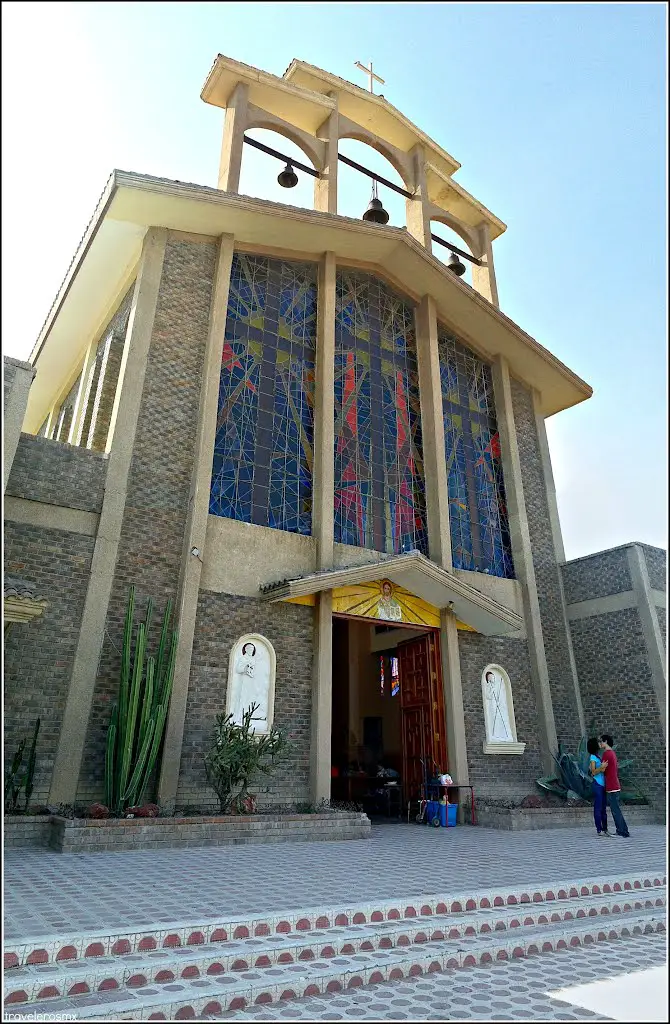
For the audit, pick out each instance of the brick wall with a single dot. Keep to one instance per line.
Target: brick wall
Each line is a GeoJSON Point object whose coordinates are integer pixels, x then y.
{"type": "Point", "coordinates": [9, 373]}
{"type": "Point", "coordinates": [547, 571]}
{"type": "Point", "coordinates": [104, 377]}
{"type": "Point", "coordinates": [598, 575]}
{"type": "Point", "coordinates": [57, 473]}
{"type": "Point", "coordinates": [499, 775]}
{"type": "Point", "coordinates": [39, 654]}
{"type": "Point", "coordinates": [661, 615]}
{"type": "Point", "coordinates": [656, 566]}
{"type": "Point", "coordinates": [158, 488]}
{"type": "Point", "coordinates": [617, 691]}
{"type": "Point", "coordinates": [221, 620]}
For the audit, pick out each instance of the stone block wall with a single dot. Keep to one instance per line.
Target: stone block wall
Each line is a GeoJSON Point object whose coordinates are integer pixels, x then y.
{"type": "Point", "coordinates": [57, 474]}
{"type": "Point", "coordinates": [547, 571]}
{"type": "Point", "coordinates": [618, 693]}
{"type": "Point", "coordinates": [9, 373]}
{"type": "Point", "coordinates": [656, 559]}
{"type": "Point", "coordinates": [39, 655]}
{"type": "Point", "coordinates": [154, 521]}
{"type": "Point", "coordinates": [499, 775]}
{"type": "Point", "coordinates": [598, 575]}
{"type": "Point", "coordinates": [221, 620]}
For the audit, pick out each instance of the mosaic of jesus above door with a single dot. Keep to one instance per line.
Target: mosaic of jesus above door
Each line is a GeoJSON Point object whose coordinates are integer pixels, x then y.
{"type": "Point", "coordinates": [383, 601]}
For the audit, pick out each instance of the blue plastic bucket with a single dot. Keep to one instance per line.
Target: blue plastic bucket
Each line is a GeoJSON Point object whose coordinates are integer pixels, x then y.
{"type": "Point", "coordinates": [452, 812]}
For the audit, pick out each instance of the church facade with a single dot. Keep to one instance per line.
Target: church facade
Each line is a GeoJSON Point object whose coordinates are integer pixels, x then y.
{"type": "Point", "coordinates": [330, 453]}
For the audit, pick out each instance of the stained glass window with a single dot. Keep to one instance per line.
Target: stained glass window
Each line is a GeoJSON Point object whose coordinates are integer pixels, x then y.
{"type": "Point", "coordinates": [395, 677]}
{"type": "Point", "coordinates": [477, 510]}
{"type": "Point", "coordinates": [263, 455]}
{"type": "Point", "coordinates": [379, 482]}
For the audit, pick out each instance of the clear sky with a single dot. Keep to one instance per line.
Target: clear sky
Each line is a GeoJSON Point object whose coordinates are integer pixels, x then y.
{"type": "Point", "coordinates": [556, 112]}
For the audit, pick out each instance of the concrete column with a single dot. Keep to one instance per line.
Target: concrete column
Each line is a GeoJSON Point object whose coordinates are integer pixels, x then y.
{"type": "Point", "coordinates": [196, 526]}
{"type": "Point", "coordinates": [325, 188]}
{"type": "Point", "coordinates": [69, 754]}
{"type": "Point", "coordinates": [322, 698]}
{"type": "Point", "coordinates": [323, 479]}
{"type": "Point", "coordinates": [457, 750]}
{"type": "Point", "coordinates": [323, 529]}
{"type": "Point", "coordinates": [439, 531]}
{"type": "Point", "coordinates": [82, 395]}
{"type": "Point", "coordinates": [432, 430]}
{"type": "Point", "coordinates": [523, 557]}
{"type": "Point", "coordinates": [549, 484]}
{"type": "Point", "coordinates": [418, 208]}
{"type": "Point", "coordinates": [557, 538]}
{"type": "Point", "coordinates": [484, 277]}
{"type": "Point", "coordinates": [653, 640]}
{"type": "Point", "coordinates": [234, 127]}
{"type": "Point", "coordinates": [13, 413]}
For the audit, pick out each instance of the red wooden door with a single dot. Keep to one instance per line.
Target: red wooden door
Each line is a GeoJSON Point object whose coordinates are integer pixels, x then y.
{"type": "Point", "coordinates": [422, 711]}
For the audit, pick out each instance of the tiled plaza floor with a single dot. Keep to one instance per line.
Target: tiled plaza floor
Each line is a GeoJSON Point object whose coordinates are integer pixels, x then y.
{"type": "Point", "coordinates": [47, 892]}
{"type": "Point", "coordinates": [517, 991]}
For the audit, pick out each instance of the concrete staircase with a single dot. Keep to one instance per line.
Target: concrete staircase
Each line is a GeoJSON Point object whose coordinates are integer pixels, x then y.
{"type": "Point", "coordinates": [204, 970]}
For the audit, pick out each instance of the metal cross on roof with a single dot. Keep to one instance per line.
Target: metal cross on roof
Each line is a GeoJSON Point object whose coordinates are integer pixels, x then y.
{"type": "Point", "coordinates": [371, 75]}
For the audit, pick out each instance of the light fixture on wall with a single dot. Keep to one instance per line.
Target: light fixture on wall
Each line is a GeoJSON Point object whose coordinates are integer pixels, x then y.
{"type": "Point", "coordinates": [287, 178]}
{"type": "Point", "coordinates": [455, 265]}
{"type": "Point", "coordinates": [375, 213]}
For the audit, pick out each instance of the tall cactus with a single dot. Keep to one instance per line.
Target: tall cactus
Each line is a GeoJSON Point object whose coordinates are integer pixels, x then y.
{"type": "Point", "coordinates": [138, 718]}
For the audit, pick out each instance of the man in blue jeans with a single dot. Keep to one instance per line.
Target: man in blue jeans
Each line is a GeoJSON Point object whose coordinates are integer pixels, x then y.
{"type": "Point", "coordinates": [612, 785]}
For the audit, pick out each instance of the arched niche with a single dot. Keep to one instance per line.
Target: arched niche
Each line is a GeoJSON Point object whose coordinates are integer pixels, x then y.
{"type": "Point", "coordinates": [498, 708]}
{"type": "Point", "coordinates": [259, 171]}
{"type": "Point", "coordinates": [355, 188]}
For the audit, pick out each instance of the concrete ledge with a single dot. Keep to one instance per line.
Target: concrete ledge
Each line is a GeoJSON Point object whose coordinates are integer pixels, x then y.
{"type": "Point", "coordinates": [515, 819]}
{"type": "Point", "coordinates": [26, 830]}
{"type": "Point", "coordinates": [79, 835]}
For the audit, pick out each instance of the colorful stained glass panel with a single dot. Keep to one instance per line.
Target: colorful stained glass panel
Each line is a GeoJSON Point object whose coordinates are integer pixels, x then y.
{"type": "Point", "coordinates": [263, 454]}
{"type": "Point", "coordinates": [379, 482]}
{"type": "Point", "coordinates": [480, 538]}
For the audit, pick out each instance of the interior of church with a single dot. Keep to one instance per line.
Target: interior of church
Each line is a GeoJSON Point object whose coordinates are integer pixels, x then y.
{"type": "Point", "coordinates": [367, 718]}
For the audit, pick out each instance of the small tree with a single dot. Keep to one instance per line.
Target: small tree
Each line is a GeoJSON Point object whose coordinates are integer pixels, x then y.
{"type": "Point", "coordinates": [238, 755]}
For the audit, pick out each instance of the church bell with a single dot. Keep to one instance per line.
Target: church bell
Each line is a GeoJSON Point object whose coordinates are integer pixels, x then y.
{"type": "Point", "coordinates": [375, 213]}
{"type": "Point", "coordinates": [287, 178]}
{"type": "Point", "coordinates": [455, 265]}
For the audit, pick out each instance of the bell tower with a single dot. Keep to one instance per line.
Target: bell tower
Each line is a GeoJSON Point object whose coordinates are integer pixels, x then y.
{"type": "Point", "coordinates": [315, 109]}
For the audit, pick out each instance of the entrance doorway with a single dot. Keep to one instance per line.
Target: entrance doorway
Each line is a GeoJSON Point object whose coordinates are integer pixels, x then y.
{"type": "Point", "coordinates": [388, 717]}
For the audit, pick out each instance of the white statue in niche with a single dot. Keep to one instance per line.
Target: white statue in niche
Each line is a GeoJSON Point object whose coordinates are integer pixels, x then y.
{"type": "Point", "coordinates": [251, 680]}
{"type": "Point", "coordinates": [497, 708]}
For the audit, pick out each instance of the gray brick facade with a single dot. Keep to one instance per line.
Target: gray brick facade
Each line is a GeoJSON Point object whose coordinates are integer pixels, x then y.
{"type": "Point", "coordinates": [160, 475]}
{"type": "Point", "coordinates": [100, 388]}
{"type": "Point", "coordinates": [547, 571]}
{"type": "Point", "coordinates": [39, 654]}
{"type": "Point", "coordinates": [221, 620]}
{"type": "Point", "coordinates": [502, 775]}
{"type": "Point", "coordinates": [615, 678]}
{"type": "Point", "coordinates": [661, 614]}
{"type": "Point", "coordinates": [598, 575]}
{"type": "Point", "coordinates": [656, 566]}
{"type": "Point", "coordinates": [57, 474]}
{"type": "Point", "coordinates": [618, 693]}
{"type": "Point", "coordinates": [8, 375]}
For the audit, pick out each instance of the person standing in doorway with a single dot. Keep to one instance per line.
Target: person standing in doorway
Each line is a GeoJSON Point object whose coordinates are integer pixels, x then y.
{"type": "Point", "coordinates": [599, 794]}
{"type": "Point", "coordinates": [609, 768]}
